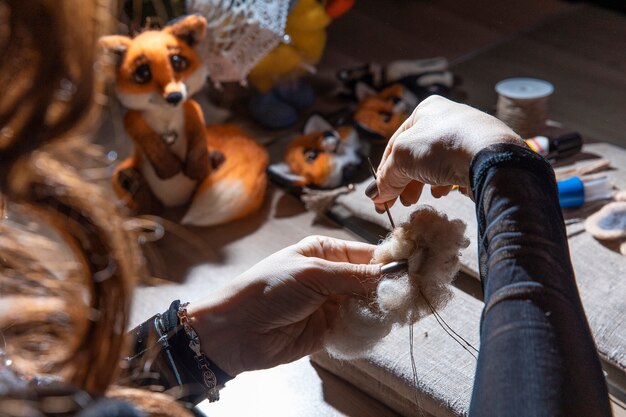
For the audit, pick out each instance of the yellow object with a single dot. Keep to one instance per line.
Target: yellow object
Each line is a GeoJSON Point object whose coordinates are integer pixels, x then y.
{"type": "Point", "coordinates": [306, 26]}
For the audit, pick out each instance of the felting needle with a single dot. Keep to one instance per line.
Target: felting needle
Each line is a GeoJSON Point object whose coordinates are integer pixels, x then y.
{"type": "Point", "coordinates": [393, 226]}
{"type": "Point", "coordinates": [395, 266]}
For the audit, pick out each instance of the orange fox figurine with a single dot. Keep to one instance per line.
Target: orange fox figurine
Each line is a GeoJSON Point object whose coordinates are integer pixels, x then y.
{"type": "Point", "coordinates": [322, 156]}
{"type": "Point", "coordinates": [177, 159]}
{"type": "Point", "coordinates": [380, 113]}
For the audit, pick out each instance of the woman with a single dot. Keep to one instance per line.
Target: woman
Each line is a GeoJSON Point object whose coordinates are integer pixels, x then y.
{"type": "Point", "coordinates": [67, 265]}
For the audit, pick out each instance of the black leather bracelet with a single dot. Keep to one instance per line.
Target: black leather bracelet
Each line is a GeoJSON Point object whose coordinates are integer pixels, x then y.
{"type": "Point", "coordinates": [168, 358]}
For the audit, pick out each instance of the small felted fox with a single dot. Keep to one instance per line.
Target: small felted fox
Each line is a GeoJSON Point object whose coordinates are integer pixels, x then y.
{"type": "Point", "coordinates": [177, 159]}
{"type": "Point", "coordinates": [323, 156]}
{"type": "Point", "coordinates": [380, 113]}
{"type": "Point", "coordinates": [387, 94]}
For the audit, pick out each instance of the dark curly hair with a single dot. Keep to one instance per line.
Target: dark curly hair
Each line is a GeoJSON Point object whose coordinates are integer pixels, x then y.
{"type": "Point", "coordinates": [67, 263]}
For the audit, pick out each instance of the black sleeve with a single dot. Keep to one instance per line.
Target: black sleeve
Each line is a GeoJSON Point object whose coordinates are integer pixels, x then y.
{"type": "Point", "coordinates": [537, 353]}
{"type": "Point", "coordinates": [162, 360]}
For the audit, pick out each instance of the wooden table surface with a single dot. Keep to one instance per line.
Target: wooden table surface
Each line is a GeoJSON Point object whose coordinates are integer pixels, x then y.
{"type": "Point", "coordinates": [575, 47]}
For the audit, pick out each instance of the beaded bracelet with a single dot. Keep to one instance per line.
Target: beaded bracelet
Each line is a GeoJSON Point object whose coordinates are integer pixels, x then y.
{"type": "Point", "coordinates": [203, 362]}
{"type": "Point", "coordinates": [166, 355]}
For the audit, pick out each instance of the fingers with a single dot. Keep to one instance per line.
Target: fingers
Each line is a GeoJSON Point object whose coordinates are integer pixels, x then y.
{"type": "Point", "coordinates": [380, 207]}
{"type": "Point", "coordinates": [390, 144]}
{"type": "Point", "coordinates": [336, 250]}
{"type": "Point", "coordinates": [439, 191]}
{"type": "Point", "coordinates": [409, 196]}
{"type": "Point", "coordinates": [389, 147]}
{"type": "Point", "coordinates": [338, 266]}
{"type": "Point", "coordinates": [391, 181]}
{"type": "Point", "coordinates": [336, 278]}
{"type": "Point", "coordinates": [332, 306]}
{"type": "Point", "coordinates": [411, 193]}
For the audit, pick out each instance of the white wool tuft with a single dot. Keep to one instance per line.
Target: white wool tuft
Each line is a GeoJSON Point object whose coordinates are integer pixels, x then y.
{"type": "Point", "coordinates": [431, 243]}
{"type": "Point", "coordinates": [391, 293]}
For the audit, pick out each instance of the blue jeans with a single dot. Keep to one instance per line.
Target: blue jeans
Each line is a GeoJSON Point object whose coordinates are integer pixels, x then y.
{"type": "Point", "coordinates": [537, 354]}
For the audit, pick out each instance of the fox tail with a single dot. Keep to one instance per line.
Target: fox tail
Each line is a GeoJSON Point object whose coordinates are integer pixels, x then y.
{"type": "Point", "coordinates": [237, 187]}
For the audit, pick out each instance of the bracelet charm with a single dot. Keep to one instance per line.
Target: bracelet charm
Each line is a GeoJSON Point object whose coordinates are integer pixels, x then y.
{"type": "Point", "coordinates": [203, 362]}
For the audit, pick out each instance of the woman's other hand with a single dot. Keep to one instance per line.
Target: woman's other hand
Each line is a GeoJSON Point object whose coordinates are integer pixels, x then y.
{"type": "Point", "coordinates": [435, 146]}
{"type": "Point", "coordinates": [280, 309]}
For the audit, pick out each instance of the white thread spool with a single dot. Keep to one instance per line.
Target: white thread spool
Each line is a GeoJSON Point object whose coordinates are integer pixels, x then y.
{"type": "Point", "coordinates": [523, 104]}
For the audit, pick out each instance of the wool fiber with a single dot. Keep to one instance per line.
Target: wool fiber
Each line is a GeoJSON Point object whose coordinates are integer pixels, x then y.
{"type": "Point", "coordinates": [431, 243]}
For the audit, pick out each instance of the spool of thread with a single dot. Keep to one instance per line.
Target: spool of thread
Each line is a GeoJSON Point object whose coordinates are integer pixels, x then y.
{"type": "Point", "coordinates": [523, 104]}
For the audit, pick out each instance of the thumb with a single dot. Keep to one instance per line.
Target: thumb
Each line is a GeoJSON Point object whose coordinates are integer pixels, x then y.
{"type": "Point", "coordinates": [391, 181]}
{"type": "Point", "coordinates": [348, 278]}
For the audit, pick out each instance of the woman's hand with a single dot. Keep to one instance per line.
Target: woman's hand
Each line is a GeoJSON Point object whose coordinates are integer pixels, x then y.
{"type": "Point", "coordinates": [280, 309]}
{"type": "Point", "coordinates": [435, 146]}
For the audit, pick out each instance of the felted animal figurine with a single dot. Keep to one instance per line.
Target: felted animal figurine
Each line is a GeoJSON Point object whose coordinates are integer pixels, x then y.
{"type": "Point", "coordinates": [177, 160]}
{"type": "Point", "coordinates": [322, 157]}
{"type": "Point", "coordinates": [379, 114]}
{"type": "Point", "coordinates": [281, 91]}
{"type": "Point", "coordinates": [423, 77]}
{"type": "Point", "coordinates": [386, 95]}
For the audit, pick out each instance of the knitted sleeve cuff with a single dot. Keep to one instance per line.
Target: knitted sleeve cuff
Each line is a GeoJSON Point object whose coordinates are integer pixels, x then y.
{"type": "Point", "coordinates": [505, 155]}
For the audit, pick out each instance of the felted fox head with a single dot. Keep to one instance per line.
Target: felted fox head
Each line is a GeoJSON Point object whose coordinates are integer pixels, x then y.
{"type": "Point", "coordinates": [322, 156]}
{"type": "Point", "coordinates": [380, 114]}
{"type": "Point", "coordinates": [159, 68]}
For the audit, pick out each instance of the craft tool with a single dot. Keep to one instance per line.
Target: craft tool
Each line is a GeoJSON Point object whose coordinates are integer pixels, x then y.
{"type": "Point", "coordinates": [556, 147]}
{"type": "Point", "coordinates": [576, 191]}
{"type": "Point", "coordinates": [393, 226]}
{"type": "Point", "coordinates": [581, 170]}
{"type": "Point", "coordinates": [401, 265]}
{"type": "Point", "coordinates": [395, 267]}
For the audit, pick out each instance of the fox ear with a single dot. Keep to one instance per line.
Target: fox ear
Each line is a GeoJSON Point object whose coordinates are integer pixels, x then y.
{"type": "Point", "coordinates": [115, 44]}
{"type": "Point", "coordinates": [316, 123]}
{"type": "Point", "coordinates": [190, 29]}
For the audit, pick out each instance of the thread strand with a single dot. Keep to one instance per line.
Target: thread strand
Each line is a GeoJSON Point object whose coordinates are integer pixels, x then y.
{"type": "Point", "coordinates": [414, 367]}
{"type": "Point", "coordinates": [440, 319]}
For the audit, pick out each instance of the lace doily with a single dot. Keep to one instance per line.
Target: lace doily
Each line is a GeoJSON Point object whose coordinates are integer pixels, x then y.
{"type": "Point", "coordinates": [240, 33]}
